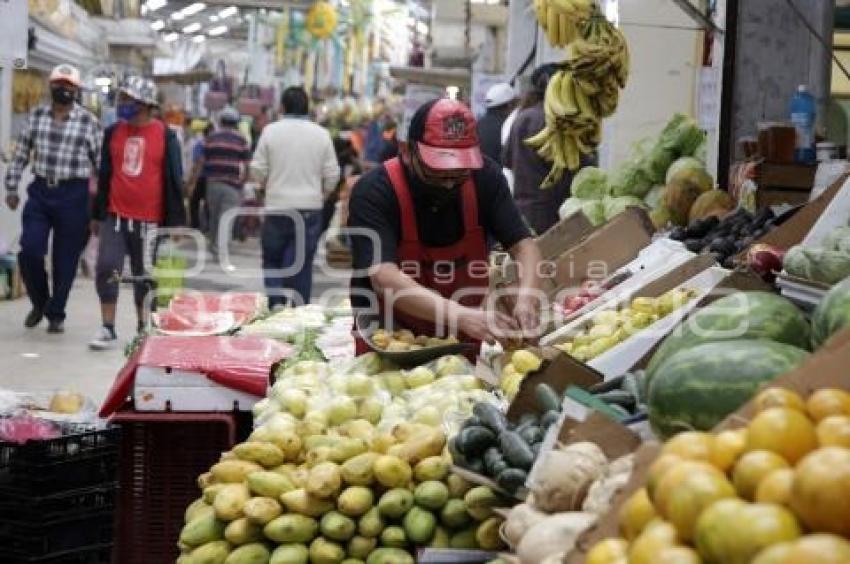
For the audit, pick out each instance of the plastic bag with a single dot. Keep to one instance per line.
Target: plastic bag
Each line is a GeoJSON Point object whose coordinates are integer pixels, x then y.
{"type": "Point", "coordinates": [22, 428]}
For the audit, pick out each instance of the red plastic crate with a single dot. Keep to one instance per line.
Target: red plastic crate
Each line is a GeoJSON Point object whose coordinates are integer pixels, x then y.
{"type": "Point", "coordinates": [162, 455]}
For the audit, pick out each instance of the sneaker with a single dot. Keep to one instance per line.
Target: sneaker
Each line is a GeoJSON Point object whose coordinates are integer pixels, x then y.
{"type": "Point", "coordinates": [55, 326]}
{"type": "Point", "coordinates": [104, 339]}
{"type": "Point", "coordinates": [33, 318]}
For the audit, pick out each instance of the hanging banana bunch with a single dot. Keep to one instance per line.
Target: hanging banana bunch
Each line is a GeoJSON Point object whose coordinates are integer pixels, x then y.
{"type": "Point", "coordinates": [580, 95]}
{"type": "Point", "coordinates": [560, 19]}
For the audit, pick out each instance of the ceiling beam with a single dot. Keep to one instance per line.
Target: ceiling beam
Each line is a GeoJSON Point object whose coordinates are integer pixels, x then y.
{"type": "Point", "coordinates": [704, 21]}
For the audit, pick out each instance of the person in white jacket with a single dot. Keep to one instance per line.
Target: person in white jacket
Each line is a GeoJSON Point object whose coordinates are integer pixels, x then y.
{"type": "Point", "coordinates": [296, 163]}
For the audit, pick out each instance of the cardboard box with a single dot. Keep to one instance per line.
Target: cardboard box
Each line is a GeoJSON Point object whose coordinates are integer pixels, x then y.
{"type": "Point", "coordinates": [769, 197]}
{"type": "Point", "coordinates": [787, 176]}
{"type": "Point", "coordinates": [825, 369]}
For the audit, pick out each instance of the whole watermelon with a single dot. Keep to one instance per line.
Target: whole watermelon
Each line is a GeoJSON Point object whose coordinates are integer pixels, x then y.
{"type": "Point", "coordinates": [743, 315]}
{"type": "Point", "coordinates": [832, 313]}
{"type": "Point", "coordinates": [698, 387]}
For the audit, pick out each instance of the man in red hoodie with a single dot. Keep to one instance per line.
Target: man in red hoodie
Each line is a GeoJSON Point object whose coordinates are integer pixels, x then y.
{"type": "Point", "coordinates": [139, 189]}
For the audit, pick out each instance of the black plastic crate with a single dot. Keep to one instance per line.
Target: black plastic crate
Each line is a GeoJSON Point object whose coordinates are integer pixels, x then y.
{"type": "Point", "coordinates": [75, 460]}
{"type": "Point", "coordinates": [96, 554]}
{"type": "Point", "coordinates": [24, 541]}
{"type": "Point", "coordinates": [64, 505]}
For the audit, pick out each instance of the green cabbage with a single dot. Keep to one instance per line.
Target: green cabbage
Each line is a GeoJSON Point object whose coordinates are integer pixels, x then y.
{"type": "Point", "coordinates": [592, 209]}
{"type": "Point", "coordinates": [821, 265]}
{"type": "Point", "coordinates": [615, 206]}
{"type": "Point", "coordinates": [630, 179]}
{"type": "Point", "coordinates": [590, 183]}
{"type": "Point", "coordinates": [656, 163]}
{"type": "Point", "coordinates": [838, 240]}
{"type": "Point", "coordinates": [655, 196]}
{"type": "Point", "coordinates": [682, 136]}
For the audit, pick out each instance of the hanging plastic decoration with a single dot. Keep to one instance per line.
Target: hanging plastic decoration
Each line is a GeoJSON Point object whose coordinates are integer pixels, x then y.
{"type": "Point", "coordinates": [322, 20]}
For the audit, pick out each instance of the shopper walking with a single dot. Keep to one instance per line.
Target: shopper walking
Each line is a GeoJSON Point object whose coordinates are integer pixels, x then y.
{"type": "Point", "coordinates": [139, 189]}
{"type": "Point", "coordinates": [196, 186]}
{"type": "Point", "coordinates": [500, 101]}
{"type": "Point", "coordinates": [295, 159]}
{"type": "Point", "coordinates": [62, 142]}
{"type": "Point", "coordinates": [539, 207]}
{"type": "Point", "coordinates": [224, 165]}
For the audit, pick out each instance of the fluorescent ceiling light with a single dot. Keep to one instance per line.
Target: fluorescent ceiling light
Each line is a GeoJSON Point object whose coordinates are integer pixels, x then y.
{"type": "Point", "coordinates": [219, 30]}
{"type": "Point", "coordinates": [227, 12]}
{"type": "Point", "coordinates": [193, 9]}
{"type": "Point", "coordinates": [213, 18]}
{"type": "Point", "coordinates": [157, 25]}
{"type": "Point", "coordinates": [199, 39]}
{"type": "Point", "coordinates": [192, 28]}
{"type": "Point", "coordinates": [154, 5]}
{"type": "Point", "coordinates": [102, 81]}
{"type": "Point", "coordinates": [171, 37]}
{"type": "Point", "coordinates": [422, 28]}
{"type": "Point", "coordinates": [177, 16]}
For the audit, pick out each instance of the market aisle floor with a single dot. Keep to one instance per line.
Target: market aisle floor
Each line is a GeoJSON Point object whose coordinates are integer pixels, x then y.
{"type": "Point", "coordinates": [32, 360]}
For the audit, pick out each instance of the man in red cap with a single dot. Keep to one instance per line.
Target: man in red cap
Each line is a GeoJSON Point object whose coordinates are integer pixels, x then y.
{"type": "Point", "coordinates": [431, 215]}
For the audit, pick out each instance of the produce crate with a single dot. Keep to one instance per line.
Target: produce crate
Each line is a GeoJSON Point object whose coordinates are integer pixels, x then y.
{"type": "Point", "coordinates": [97, 554]}
{"type": "Point", "coordinates": [162, 455]}
{"type": "Point", "coordinates": [63, 505]}
{"type": "Point", "coordinates": [51, 540]}
{"type": "Point", "coordinates": [78, 459]}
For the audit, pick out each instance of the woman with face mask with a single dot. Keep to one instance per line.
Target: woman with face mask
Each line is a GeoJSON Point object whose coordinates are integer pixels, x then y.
{"type": "Point", "coordinates": [62, 143]}
{"type": "Point", "coordinates": [430, 216]}
{"type": "Point", "coordinates": [140, 188]}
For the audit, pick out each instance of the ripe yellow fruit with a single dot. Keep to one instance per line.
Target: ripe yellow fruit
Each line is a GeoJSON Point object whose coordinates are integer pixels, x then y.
{"type": "Point", "coordinates": [608, 551]}
{"type": "Point", "coordinates": [754, 467]}
{"type": "Point", "coordinates": [779, 397]}
{"type": "Point", "coordinates": [784, 431]}
{"type": "Point", "coordinates": [525, 361]}
{"type": "Point", "coordinates": [727, 447]}
{"type": "Point", "coordinates": [692, 445]}
{"type": "Point", "coordinates": [637, 512]}
{"type": "Point", "coordinates": [826, 402]}
{"type": "Point", "coordinates": [834, 431]}
{"type": "Point", "coordinates": [820, 495]}
{"type": "Point", "coordinates": [776, 487]}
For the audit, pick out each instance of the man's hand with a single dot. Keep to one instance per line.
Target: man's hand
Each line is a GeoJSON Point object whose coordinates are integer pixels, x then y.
{"type": "Point", "coordinates": [527, 315]}
{"type": "Point", "coordinates": [487, 326]}
{"type": "Point", "coordinates": [12, 200]}
{"type": "Point", "coordinates": [94, 227]}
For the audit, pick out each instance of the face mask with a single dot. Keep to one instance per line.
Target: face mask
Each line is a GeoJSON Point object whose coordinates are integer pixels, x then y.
{"type": "Point", "coordinates": [127, 111]}
{"type": "Point", "coordinates": [62, 95]}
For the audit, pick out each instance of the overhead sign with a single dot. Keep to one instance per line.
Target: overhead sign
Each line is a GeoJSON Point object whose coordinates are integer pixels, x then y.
{"type": "Point", "coordinates": [14, 30]}
{"type": "Point", "coordinates": [415, 96]}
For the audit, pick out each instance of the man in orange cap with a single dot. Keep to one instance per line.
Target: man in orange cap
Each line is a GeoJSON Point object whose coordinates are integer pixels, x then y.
{"type": "Point", "coordinates": [62, 143]}
{"type": "Point", "coordinates": [431, 215]}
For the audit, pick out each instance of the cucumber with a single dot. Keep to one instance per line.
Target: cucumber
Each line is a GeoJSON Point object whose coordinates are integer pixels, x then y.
{"type": "Point", "coordinates": [618, 397]}
{"type": "Point", "coordinates": [547, 399]}
{"type": "Point", "coordinates": [475, 465]}
{"type": "Point", "coordinates": [473, 421]}
{"type": "Point", "coordinates": [473, 441]}
{"type": "Point", "coordinates": [607, 385]}
{"type": "Point", "coordinates": [490, 417]}
{"type": "Point", "coordinates": [631, 385]}
{"type": "Point", "coordinates": [550, 418]}
{"type": "Point", "coordinates": [622, 412]}
{"type": "Point", "coordinates": [527, 419]}
{"type": "Point", "coordinates": [516, 451]}
{"type": "Point", "coordinates": [455, 452]}
{"type": "Point", "coordinates": [511, 479]}
{"type": "Point", "coordinates": [535, 449]}
{"type": "Point", "coordinates": [493, 460]}
{"type": "Point", "coordinates": [531, 434]}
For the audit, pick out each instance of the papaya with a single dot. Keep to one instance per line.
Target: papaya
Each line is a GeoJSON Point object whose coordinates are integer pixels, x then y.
{"type": "Point", "coordinates": [254, 553]}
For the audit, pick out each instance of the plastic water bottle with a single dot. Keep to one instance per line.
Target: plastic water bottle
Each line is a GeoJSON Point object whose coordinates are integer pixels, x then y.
{"type": "Point", "coordinates": [803, 113]}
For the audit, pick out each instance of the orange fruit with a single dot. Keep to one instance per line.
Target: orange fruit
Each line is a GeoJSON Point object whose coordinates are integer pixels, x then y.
{"type": "Point", "coordinates": [820, 548]}
{"type": "Point", "coordinates": [635, 514]}
{"type": "Point", "coordinates": [820, 495]}
{"type": "Point", "coordinates": [691, 445]}
{"type": "Point", "coordinates": [727, 447]}
{"type": "Point", "coordinates": [776, 487]}
{"type": "Point", "coordinates": [695, 493]}
{"type": "Point", "coordinates": [826, 402]}
{"type": "Point", "coordinates": [658, 468]}
{"type": "Point", "coordinates": [779, 397]}
{"type": "Point", "coordinates": [608, 551]}
{"type": "Point", "coordinates": [656, 536]}
{"type": "Point", "coordinates": [678, 555]}
{"type": "Point", "coordinates": [673, 478]}
{"type": "Point", "coordinates": [754, 467]}
{"type": "Point", "coordinates": [834, 431]}
{"type": "Point", "coordinates": [782, 430]}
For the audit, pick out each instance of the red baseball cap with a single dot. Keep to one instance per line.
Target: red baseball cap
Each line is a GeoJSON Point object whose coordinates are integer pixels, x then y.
{"type": "Point", "coordinates": [450, 138]}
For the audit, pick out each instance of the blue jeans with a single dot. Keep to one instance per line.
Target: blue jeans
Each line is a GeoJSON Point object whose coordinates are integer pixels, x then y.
{"type": "Point", "coordinates": [280, 242]}
{"type": "Point", "coordinates": [64, 210]}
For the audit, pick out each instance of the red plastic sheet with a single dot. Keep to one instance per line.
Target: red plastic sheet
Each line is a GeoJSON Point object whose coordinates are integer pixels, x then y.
{"type": "Point", "coordinates": [240, 363]}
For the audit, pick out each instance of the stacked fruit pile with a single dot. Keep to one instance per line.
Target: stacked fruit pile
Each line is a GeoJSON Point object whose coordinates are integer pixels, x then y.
{"type": "Point", "coordinates": [768, 493]}
{"type": "Point", "coordinates": [609, 328]}
{"type": "Point", "coordinates": [348, 494]}
{"type": "Point", "coordinates": [585, 91]}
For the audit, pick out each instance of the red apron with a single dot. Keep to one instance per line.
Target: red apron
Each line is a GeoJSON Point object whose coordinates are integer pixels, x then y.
{"type": "Point", "coordinates": [446, 270]}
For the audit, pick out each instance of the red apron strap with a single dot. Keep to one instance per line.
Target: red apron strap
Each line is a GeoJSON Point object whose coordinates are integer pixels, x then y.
{"type": "Point", "coordinates": [470, 206]}
{"type": "Point", "coordinates": [395, 171]}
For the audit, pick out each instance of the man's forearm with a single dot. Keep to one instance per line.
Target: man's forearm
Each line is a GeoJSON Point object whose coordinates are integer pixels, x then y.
{"type": "Point", "coordinates": [411, 298]}
{"type": "Point", "coordinates": [527, 255]}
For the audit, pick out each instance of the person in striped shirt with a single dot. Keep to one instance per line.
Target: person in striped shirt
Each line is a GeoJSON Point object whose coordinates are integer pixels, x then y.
{"type": "Point", "coordinates": [224, 164]}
